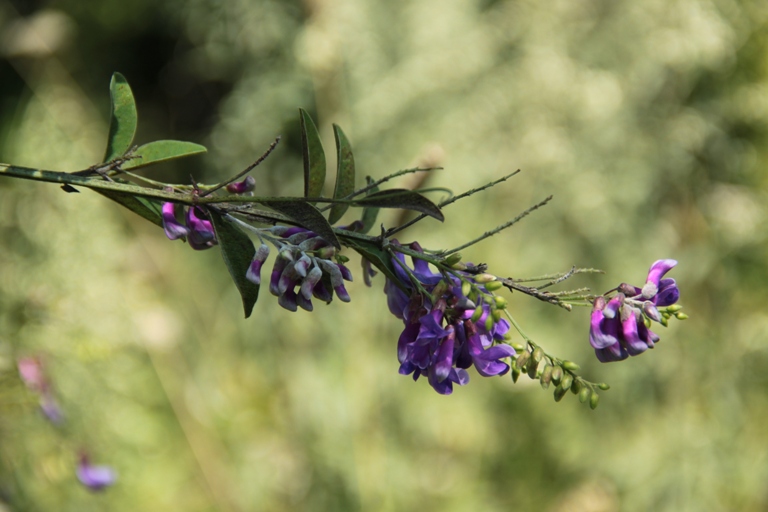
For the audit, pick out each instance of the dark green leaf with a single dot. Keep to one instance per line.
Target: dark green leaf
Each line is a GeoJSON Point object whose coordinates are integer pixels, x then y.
{"type": "Point", "coordinates": [237, 250]}
{"type": "Point", "coordinates": [307, 216]}
{"type": "Point", "coordinates": [161, 151]}
{"type": "Point", "coordinates": [369, 214]}
{"type": "Point", "coordinates": [314, 156]}
{"type": "Point", "coordinates": [122, 124]}
{"type": "Point", "coordinates": [402, 198]}
{"type": "Point", "coordinates": [345, 174]}
{"type": "Point", "coordinates": [147, 208]}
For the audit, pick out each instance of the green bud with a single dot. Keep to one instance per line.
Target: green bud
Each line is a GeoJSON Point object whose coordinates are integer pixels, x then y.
{"type": "Point", "coordinates": [604, 386]}
{"type": "Point", "coordinates": [507, 336]}
{"type": "Point", "coordinates": [452, 260]}
{"type": "Point", "coordinates": [546, 376]}
{"type": "Point", "coordinates": [521, 359]}
{"type": "Point", "coordinates": [593, 401]}
{"type": "Point", "coordinates": [566, 381]}
{"type": "Point", "coordinates": [674, 308]}
{"type": "Point", "coordinates": [484, 278]}
{"type": "Point", "coordinates": [493, 286]}
{"type": "Point", "coordinates": [518, 346]}
{"type": "Point", "coordinates": [584, 394]}
{"type": "Point", "coordinates": [570, 365]}
{"type": "Point", "coordinates": [532, 367]}
{"type": "Point", "coordinates": [340, 258]}
{"type": "Point", "coordinates": [538, 354]}
{"type": "Point", "coordinates": [501, 302]}
{"type": "Point", "coordinates": [515, 374]}
{"type": "Point", "coordinates": [557, 374]}
{"type": "Point", "coordinates": [466, 287]}
{"type": "Point", "coordinates": [665, 321]}
{"type": "Point", "coordinates": [489, 322]}
{"type": "Point", "coordinates": [647, 322]}
{"type": "Point", "coordinates": [560, 393]}
{"type": "Point", "coordinates": [459, 266]}
{"type": "Point", "coordinates": [496, 314]}
{"type": "Point", "coordinates": [576, 386]}
{"type": "Point", "coordinates": [477, 314]}
{"type": "Point", "coordinates": [681, 316]}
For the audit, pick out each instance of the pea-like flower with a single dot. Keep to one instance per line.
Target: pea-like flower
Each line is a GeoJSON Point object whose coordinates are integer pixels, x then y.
{"type": "Point", "coordinates": [95, 478]}
{"type": "Point", "coordinates": [619, 327]}
{"type": "Point", "coordinates": [197, 230]}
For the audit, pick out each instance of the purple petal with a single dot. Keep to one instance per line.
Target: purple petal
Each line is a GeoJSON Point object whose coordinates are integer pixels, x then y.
{"type": "Point", "coordinates": [603, 332]}
{"type": "Point", "coordinates": [95, 478]}
{"type": "Point", "coordinates": [407, 337]}
{"type": "Point", "coordinates": [631, 337]}
{"type": "Point", "coordinates": [668, 293]}
{"type": "Point", "coordinates": [342, 293]}
{"type": "Point", "coordinates": [658, 269]}
{"type": "Point", "coordinates": [610, 354]}
{"type": "Point", "coordinates": [444, 360]}
{"type": "Point", "coordinates": [173, 228]}
{"type": "Point", "coordinates": [288, 300]}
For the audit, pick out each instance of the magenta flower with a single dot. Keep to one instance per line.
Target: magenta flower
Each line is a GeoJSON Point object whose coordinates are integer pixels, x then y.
{"type": "Point", "coordinates": [197, 230]}
{"type": "Point", "coordinates": [242, 187]}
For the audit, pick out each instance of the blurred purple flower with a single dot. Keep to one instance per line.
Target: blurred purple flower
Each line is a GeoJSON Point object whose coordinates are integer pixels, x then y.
{"type": "Point", "coordinates": [32, 372]}
{"type": "Point", "coordinates": [242, 187]}
{"type": "Point", "coordinates": [95, 478]}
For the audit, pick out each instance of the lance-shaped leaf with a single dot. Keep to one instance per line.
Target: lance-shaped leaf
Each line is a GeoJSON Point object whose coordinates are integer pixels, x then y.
{"type": "Point", "coordinates": [123, 119]}
{"type": "Point", "coordinates": [402, 198]}
{"type": "Point", "coordinates": [371, 213]}
{"type": "Point", "coordinates": [307, 216]}
{"type": "Point", "coordinates": [314, 156]}
{"type": "Point", "coordinates": [345, 174]}
{"type": "Point", "coordinates": [237, 251]}
{"type": "Point", "coordinates": [147, 208]}
{"type": "Point", "coordinates": [161, 151]}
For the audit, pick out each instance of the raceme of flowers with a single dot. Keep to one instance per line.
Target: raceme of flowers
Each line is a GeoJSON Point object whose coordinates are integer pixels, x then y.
{"type": "Point", "coordinates": [445, 331]}
{"type": "Point", "coordinates": [620, 326]}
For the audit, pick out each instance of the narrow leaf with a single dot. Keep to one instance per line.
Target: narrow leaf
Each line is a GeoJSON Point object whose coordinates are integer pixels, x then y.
{"type": "Point", "coordinates": [314, 156]}
{"type": "Point", "coordinates": [122, 123]}
{"type": "Point", "coordinates": [402, 198]}
{"type": "Point", "coordinates": [369, 214]}
{"type": "Point", "coordinates": [147, 208]}
{"type": "Point", "coordinates": [307, 216]}
{"type": "Point", "coordinates": [237, 250]}
{"type": "Point", "coordinates": [345, 174]}
{"type": "Point", "coordinates": [161, 151]}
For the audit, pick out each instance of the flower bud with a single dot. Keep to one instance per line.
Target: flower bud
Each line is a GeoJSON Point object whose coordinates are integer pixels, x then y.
{"type": "Point", "coordinates": [559, 393]}
{"type": "Point", "coordinates": [466, 288]}
{"type": "Point", "coordinates": [501, 302]}
{"type": "Point", "coordinates": [515, 374]}
{"type": "Point", "coordinates": [604, 386]}
{"type": "Point", "coordinates": [566, 381]}
{"type": "Point", "coordinates": [493, 286]}
{"type": "Point", "coordinates": [593, 401]}
{"type": "Point", "coordinates": [546, 376]}
{"type": "Point", "coordinates": [576, 386]}
{"type": "Point", "coordinates": [452, 259]}
{"type": "Point", "coordinates": [649, 310]}
{"type": "Point", "coordinates": [584, 394]}
{"type": "Point", "coordinates": [477, 314]}
{"type": "Point", "coordinates": [681, 316]}
{"type": "Point", "coordinates": [522, 359]}
{"type": "Point", "coordinates": [484, 278]}
{"type": "Point", "coordinates": [241, 187]}
{"type": "Point", "coordinates": [557, 374]}
{"type": "Point", "coordinates": [538, 354]}
{"type": "Point", "coordinates": [570, 365]}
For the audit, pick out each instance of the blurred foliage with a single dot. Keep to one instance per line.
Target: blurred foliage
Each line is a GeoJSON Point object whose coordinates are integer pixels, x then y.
{"type": "Point", "coordinates": [646, 120]}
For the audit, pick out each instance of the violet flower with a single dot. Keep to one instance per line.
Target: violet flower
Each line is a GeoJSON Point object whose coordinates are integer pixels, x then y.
{"type": "Point", "coordinates": [173, 228]}
{"type": "Point", "coordinates": [95, 478]}
{"type": "Point", "coordinates": [618, 327]}
{"type": "Point", "coordinates": [198, 231]}
{"type": "Point", "coordinates": [242, 187]}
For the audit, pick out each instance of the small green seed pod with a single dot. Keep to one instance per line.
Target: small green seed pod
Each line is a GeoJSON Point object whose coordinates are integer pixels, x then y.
{"type": "Point", "coordinates": [584, 394]}
{"type": "Point", "coordinates": [593, 401]}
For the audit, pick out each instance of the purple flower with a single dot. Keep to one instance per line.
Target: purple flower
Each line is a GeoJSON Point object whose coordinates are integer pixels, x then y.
{"type": "Point", "coordinates": [242, 187]}
{"type": "Point", "coordinates": [618, 327]}
{"type": "Point", "coordinates": [198, 231]}
{"type": "Point", "coordinates": [32, 372]}
{"type": "Point", "coordinates": [254, 270]}
{"type": "Point", "coordinates": [173, 228]}
{"type": "Point", "coordinates": [95, 478]}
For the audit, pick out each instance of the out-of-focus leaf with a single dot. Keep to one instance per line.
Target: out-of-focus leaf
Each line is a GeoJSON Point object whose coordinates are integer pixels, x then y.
{"type": "Point", "coordinates": [345, 174]}
{"type": "Point", "coordinates": [371, 213]}
{"type": "Point", "coordinates": [147, 208]}
{"type": "Point", "coordinates": [402, 198]}
{"type": "Point", "coordinates": [122, 123]}
{"type": "Point", "coordinates": [307, 216]}
{"type": "Point", "coordinates": [237, 250]}
{"type": "Point", "coordinates": [314, 156]}
{"type": "Point", "coordinates": [161, 151]}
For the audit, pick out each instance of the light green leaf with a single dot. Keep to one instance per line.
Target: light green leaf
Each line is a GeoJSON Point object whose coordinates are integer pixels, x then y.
{"type": "Point", "coordinates": [122, 123]}
{"type": "Point", "coordinates": [161, 151]}
{"type": "Point", "coordinates": [314, 156]}
{"type": "Point", "coordinates": [237, 250]}
{"type": "Point", "coordinates": [345, 174]}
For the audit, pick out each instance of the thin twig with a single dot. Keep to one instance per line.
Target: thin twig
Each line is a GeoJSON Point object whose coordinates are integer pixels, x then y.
{"type": "Point", "coordinates": [245, 171]}
{"type": "Point", "coordinates": [448, 201]}
{"type": "Point", "coordinates": [500, 228]}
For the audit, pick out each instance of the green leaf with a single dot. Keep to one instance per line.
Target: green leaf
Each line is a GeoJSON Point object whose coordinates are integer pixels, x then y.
{"type": "Point", "coordinates": [307, 216]}
{"type": "Point", "coordinates": [369, 214]}
{"type": "Point", "coordinates": [237, 250]}
{"type": "Point", "coordinates": [345, 174]}
{"type": "Point", "coordinates": [314, 156]}
{"type": "Point", "coordinates": [402, 198]}
{"type": "Point", "coordinates": [150, 210]}
{"type": "Point", "coordinates": [161, 151]}
{"type": "Point", "coordinates": [122, 124]}
{"type": "Point", "coordinates": [373, 253]}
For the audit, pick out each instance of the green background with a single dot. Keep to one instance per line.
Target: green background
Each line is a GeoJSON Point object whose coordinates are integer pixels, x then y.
{"type": "Point", "coordinates": [645, 119]}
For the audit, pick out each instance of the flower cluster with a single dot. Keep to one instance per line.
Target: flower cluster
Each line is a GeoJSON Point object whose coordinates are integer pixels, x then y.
{"type": "Point", "coordinates": [197, 230]}
{"type": "Point", "coordinates": [620, 326]}
{"type": "Point", "coordinates": [452, 326]}
{"type": "Point", "coordinates": [303, 263]}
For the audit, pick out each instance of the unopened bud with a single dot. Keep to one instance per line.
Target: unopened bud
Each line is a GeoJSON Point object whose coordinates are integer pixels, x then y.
{"type": "Point", "coordinates": [532, 368]}
{"type": "Point", "coordinates": [674, 308]}
{"type": "Point", "coordinates": [466, 287]}
{"type": "Point", "coordinates": [501, 302]}
{"type": "Point", "coordinates": [493, 286]}
{"type": "Point", "coordinates": [515, 374]}
{"type": "Point", "coordinates": [452, 259]}
{"type": "Point", "coordinates": [538, 354]}
{"type": "Point", "coordinates": [459, 266]}
{"type": "Point", "coordinates": [560, 393]}
{"type": "Point", "coordinates": [665, 321]}
{"type": "Point", "coordinates": [518, 347]}
{"type": "Point", "coordinates": [557, 374]}
{"type": "Point", "coordinates": [496, 314]}
{"type": "Point", "coordinates": [489, 323]}
{"type": "Point", "coordinates": [681, 316]}
{"type": "Point", "coordinates": [566, 381]}
{"type": "Point", "coordinates": [604, 386]}
{"type": "Point", "coordinates": [484, 278]}
{"type": "Point", "coordinates": [521, 359]}
{"type": "Point", "coordinates": [593, 401]}
{"type": "Point", "coordinates": [546, 376]}
{"type": "Point", "coordinates": [576, 386]}
{"type": "Point", "coordinates": [570, 365]}
{"type": "Point", "coordinates": [651, 312]}
{"type": "Point", "coordinates": [477, 314]}
{"type": "Point", "coordinates": [584, 394]}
